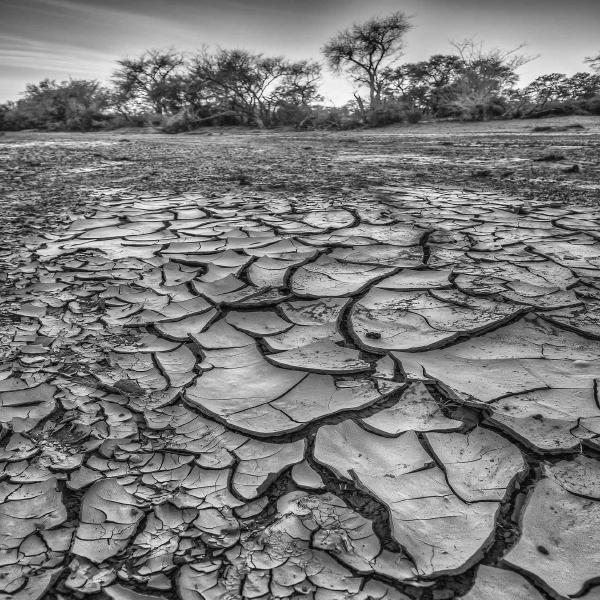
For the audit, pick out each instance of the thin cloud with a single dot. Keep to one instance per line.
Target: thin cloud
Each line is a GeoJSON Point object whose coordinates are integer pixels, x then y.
{"type": "Point", "coordinates": [85, 37]}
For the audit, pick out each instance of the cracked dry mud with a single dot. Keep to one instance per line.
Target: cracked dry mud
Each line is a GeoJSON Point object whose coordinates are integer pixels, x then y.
{"type": "Point", "coordinates": [248, 397]}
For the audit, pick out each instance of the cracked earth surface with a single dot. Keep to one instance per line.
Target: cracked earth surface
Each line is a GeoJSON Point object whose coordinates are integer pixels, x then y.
{"type": "Point", "coordinates": [249, 394]}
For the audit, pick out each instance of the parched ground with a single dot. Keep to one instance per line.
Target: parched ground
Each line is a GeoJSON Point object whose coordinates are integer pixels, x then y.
{"type": "Point", "coordinates": [325, 365]}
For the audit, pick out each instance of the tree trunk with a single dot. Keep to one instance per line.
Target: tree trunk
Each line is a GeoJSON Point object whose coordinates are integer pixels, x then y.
{"type": "Point", "coordinates": [374, 99]}
{"type": "Point", "coordinates": [361, 105]}
{"type": "Point", "coordinates": [259, 120]}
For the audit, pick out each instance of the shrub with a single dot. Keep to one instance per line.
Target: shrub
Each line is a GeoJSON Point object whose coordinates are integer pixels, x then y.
{"type": "Point", "coordinates": [72, 105]}
{"type": "Point", "coordinates": [413, 116]}
{"type": "Point", "coordinates": [180, 121]}
{"type": "Point", "coordinates": [592, 105]}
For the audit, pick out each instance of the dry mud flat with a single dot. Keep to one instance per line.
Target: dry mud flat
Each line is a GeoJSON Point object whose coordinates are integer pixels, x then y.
{"type": "Point", "coordinates": [380, 390]}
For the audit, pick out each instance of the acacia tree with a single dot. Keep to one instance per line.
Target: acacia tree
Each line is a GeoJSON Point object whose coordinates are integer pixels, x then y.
{"type": "Point", "coordinates": [584, 85]}
{"type": "Point", "coordinates": [250, 86]}
{"type": "Point", "coordinates": [552, 87]}
{"type": "Point", "coordinates": [558, 89]}
{"type": "Point", "coordinates": [153, 80]}
{"type": "Point", "coordinates": [419, 84]}
{"type": "Point", "coordinates": [366, 50]}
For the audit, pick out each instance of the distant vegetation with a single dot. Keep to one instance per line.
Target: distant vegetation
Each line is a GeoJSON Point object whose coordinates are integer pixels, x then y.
{"type": "Point", "coordinates": [174, 92]}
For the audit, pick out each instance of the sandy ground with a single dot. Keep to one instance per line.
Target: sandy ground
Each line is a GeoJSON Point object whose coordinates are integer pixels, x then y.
{"type": "Point", "coordinates": [403, 241]}
{"type": "Point", "coordinates": [46, 175]}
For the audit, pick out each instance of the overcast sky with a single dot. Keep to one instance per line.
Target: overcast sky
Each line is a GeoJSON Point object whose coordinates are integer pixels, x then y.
{"type": "Point", "coordinates": [83, 38]}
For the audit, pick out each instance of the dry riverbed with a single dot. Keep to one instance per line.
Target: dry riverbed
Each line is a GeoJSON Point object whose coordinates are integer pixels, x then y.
{"type": "Point", "coordinates": [305, 365]}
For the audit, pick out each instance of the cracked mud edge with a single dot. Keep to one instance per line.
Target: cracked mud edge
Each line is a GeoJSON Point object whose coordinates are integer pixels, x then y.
{"type": "Point", "coordinates": [506, 531]}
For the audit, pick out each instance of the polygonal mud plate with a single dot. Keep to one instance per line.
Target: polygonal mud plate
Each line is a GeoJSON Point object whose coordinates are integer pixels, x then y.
{"type": "Point", "coordinates": [480, 465]}
{"type": "Point", "coordinates": [314, 312]}
{"type": "Point", "coordinates": [580, 476]}
{"type": "Point", "coordinates": [340, 531]}
{"type": "Point", "coordinates": [499, 584]}
{"type": "Point", "coordinates": [109, 518]}
{"type": "Point", "coordinates": [178, 365]}
{"type": "Point", "coordinates": [260, 463]}
{"type": "Point", "coordinates": [349, 451]}
{"type": "Point", "coordinates": [321, 357]}
{"type": "Point", "coordinates": [409, 280]}
{"type": "Point", "coordinates": [228, 290]}
{"type": "Point", "coordinates": [303, 335]}
{"type": "Point", "coordinates": [397, 234]}
{"type": "Point", "coordinates": [418, 320]}
{"type": "Point", "coordinates": [305, 476]}
{"type": "Point", "coordinates": [547, 419]}
{"type": "Point", "coordinates": [331, 278]}
{"type": "Point", "coordinates": [415, 410]}
{"type": "Point", "coordinates": [584, 318]}
{"type": "Point", "coordinates": [537, 378]}
{"type": "Point", "coordinates": [560, 537]}
{"type": "Point", "coordinates": [23, 407]}
{"type": "Point", "coordinates": [381, 254]}
{"type": "Point", "coordinates": [250, 394]}
{"type": "Point", "coordinates": [329, 219]}
{"type": "Point", "coordinates": [441, 533]}
{"type": "Point", "coordinates": [180, 429]}
{"type": "Point", "coordinates": [257, 322]}
{"type": "Point", "coordinates": [28, 508]}
{"type": "Point", "coordinates": [269, 271]}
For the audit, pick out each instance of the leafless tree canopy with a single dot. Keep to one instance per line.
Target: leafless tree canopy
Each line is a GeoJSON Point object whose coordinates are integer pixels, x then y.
{"type": "Point", "coordinates": [485, 75]}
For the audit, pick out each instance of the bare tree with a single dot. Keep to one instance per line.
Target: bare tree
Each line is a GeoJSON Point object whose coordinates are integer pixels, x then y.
{"type": "Point", "coordinates": [365, 50]}
{"type": "Point", "coordinates": [151, 79]}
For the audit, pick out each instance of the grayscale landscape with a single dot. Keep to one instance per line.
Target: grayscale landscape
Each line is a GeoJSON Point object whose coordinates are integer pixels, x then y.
{"type": "Point", "coordinates": [329, 360]}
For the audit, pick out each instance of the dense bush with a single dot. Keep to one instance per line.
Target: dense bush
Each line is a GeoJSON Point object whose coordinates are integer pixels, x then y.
{"type": "Point", "coordinates": [414, 116]}
{"type": "Point", "coordinates": [77, 105]}
{"type": "Point", "coordinates": [167, 91]}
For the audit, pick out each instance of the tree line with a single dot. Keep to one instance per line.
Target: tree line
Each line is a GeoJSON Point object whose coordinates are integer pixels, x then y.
{"type": "Point", "coordinates": [167, 89]}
